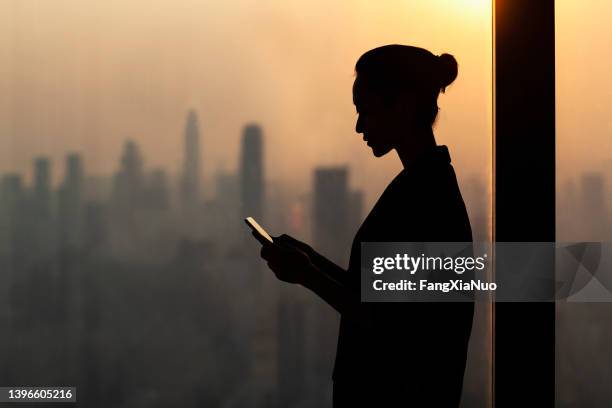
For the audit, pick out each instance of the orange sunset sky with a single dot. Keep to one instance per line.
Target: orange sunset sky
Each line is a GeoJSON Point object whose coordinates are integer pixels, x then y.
{"type": "Point", "coordinates": [84, 76]}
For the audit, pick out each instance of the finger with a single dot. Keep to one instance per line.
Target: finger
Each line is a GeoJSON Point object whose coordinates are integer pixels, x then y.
{"type": "Point", "coordinates": [284, 246]}
{"type": "Point", "coordinates": [265, 252]}
{"type": "Point", "coordinates": [289, 243]}
{"type": "Point", "coordinates": [271, 251]}
{"type": "Point", "coordinates": [282, 242]}
{"type": "Point", "coordinates": [289, 239]}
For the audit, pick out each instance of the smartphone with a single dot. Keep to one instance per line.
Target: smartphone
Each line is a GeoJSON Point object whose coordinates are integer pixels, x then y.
{"type": "Point", "coordinates": [258, 230]}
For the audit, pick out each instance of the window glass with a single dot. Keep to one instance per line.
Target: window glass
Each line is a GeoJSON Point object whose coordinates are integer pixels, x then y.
{"type": "Point", "coordinates": [584, 168]}
{"type": "Point", "coordinates": [133, 136]}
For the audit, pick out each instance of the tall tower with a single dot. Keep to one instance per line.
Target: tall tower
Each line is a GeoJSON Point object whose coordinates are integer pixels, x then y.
{"type": "Point", "coordinates": [251, 173]}
{"type": "Point", "coordinates": [264, 341]}
{"type": "Point", "coordinates": [74, 171]}
{"type": "Point", "coordinates": [42, 186]}
{"type": "Point", "coordinates": [129, 180]}
{"type": "Point", "coordinates": [40, 222]}
{"type": "Point", "coordinates": [12, 211]}
{"type": "Point", "coordinates": [70, 201]}
{"type": "Point", "coordinates": [331, 212]}
{"type": "Point", "coordinates": [190, 184]}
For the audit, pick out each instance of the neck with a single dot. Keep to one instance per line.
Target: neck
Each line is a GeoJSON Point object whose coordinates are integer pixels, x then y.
{"type": "Point", "coordinates": [419, 142]}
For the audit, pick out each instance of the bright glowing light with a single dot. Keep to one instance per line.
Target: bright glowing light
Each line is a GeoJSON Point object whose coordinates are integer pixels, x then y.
{"type": "Point", "coordinates": [474, 7]}
{"type": "Point", "coordinates": [476, 4]}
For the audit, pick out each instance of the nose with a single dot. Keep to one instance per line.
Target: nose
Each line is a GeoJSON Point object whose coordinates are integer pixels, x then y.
{"type": "Point", "coordinates": [359, 124]}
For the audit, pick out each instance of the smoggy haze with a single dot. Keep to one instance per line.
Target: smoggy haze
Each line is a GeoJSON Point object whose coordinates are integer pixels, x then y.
{"type": "Point", "coordinates": [84, 76]}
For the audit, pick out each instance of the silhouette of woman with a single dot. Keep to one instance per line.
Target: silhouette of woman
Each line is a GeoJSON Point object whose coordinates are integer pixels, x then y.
{"type": "Point", "coordinates": [394, 354]}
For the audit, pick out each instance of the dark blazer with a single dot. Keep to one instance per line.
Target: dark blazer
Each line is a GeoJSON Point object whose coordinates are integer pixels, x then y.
{"type": "Point", "coordinates": [408, 354]}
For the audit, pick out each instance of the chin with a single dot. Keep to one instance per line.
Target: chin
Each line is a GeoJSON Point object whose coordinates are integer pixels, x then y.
{"type": "Point", "coordinates": [378, 152]}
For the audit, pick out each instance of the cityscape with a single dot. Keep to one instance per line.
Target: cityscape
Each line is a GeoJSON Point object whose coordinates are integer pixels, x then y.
{"type": "Point", "coordinates": [140, 292]}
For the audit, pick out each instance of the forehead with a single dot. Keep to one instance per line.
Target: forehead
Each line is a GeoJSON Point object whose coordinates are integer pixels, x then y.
{"type": "Point", "coordinates": [356, 97]}
{"type": "Point", "coordinates": [361, 92]}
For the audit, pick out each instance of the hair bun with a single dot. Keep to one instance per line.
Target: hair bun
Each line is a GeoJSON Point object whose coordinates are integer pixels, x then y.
{"type": "Point", "coordinates": [447, 70]}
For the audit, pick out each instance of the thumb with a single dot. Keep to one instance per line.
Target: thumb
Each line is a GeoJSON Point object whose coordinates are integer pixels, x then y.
{"type": "Point", "coordinates": [288, 239]}
{"type": "Point", "coordinates": [282, 239]}
{"type": "Point", "coordinates": [295, 243]}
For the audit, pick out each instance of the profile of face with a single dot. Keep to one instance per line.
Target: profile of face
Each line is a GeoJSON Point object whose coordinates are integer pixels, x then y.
{"type": "Point", "coordinates": [384, 123]}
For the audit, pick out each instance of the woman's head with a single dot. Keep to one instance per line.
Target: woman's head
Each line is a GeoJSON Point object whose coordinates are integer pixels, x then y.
{"type": "Point", "coordinates": [396, 92]}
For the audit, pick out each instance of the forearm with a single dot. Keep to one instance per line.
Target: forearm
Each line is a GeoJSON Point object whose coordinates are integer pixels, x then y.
{"type": "Point", "coordinates": [337, 295]}
{"type": "Point", "coordinates": [329, 268]}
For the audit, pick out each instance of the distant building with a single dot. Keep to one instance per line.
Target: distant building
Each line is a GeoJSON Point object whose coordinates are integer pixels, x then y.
{"type": "Point", "coordinates": [12, 208]}
{"type": "Point", "coordinates": [41, 193]}
{"type": "Point", "coordinates": [252, 173]}
{"type": "Point", "coordinates": [128, 184]}
{"type": "Point", "coordinates": [291, 348]}
{"type": "Point", "coordinates": [332, 212]}
{"type": "Point", "coordinates": [265, 339]}
{"type": "Point", "coordinates": [95, 226]}
{"type": "Point", "coordinates": [74, 171]}
{"type": "Point", "coordinates": [40, 223]}
{"type": "Point", "coordinates": [11, 192]}
{"type": "Point", "coordinates": [69, 202]}
{"type": "Point", "coordinates": [334, 208]}
{"type": "Point", "coordinates": [190, 182]}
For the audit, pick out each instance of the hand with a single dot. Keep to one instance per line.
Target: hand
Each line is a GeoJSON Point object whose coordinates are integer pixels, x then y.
{"type": "Point", "coordinates": [288, 263]}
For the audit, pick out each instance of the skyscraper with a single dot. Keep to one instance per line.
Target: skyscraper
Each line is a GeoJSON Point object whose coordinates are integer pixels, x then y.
{"type": "Point", "coordinates": [70, 202]}
{"type": "Point", "coordinates": [291, 347]}
{"type": "Point", "coordinates": [190, 183]}
{"type": "Point", "coordinates": [42, 187]}
{"type": "Point", "coordinates": [252, 173]}
{"type": "Point", "coordinates": [13, 239]}
{"type": "Point", "coordinates": [129, 183]}
{"type": "Point", "coordinates": [331, 212]}
{"type": "Point", "coordinates": [12, 200]}
{"type": "Point", "coordinates": [265, 338]}
{"type": "Point", "coordinates": [40, 223]}
{"type": "Point", "coordinates": [74, 171]}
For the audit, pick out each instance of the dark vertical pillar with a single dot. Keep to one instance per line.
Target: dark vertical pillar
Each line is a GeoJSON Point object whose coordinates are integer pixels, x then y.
{"type": "Point", "coordinates": [524, 53]}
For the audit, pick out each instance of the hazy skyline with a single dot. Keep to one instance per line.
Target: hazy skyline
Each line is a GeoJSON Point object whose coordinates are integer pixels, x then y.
{"type": "Point", "coordinates": [86, 76]}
